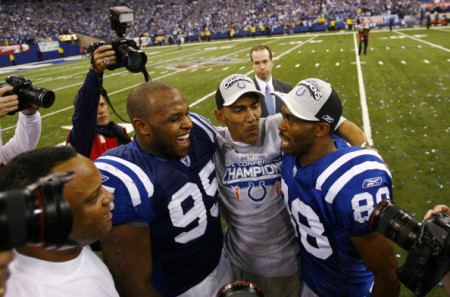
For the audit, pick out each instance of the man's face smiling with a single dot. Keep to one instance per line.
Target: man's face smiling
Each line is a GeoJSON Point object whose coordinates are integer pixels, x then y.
{"type": "Point", "coordinates": [170, 126]}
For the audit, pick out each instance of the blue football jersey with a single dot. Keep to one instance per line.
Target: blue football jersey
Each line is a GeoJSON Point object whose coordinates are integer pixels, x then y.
{"type": "Point", "coordinates": [178, 199]}
{"type": "Point", "coordinates": [330, 201]}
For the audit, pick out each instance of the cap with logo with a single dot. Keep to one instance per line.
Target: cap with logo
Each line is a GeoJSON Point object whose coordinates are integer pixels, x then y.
{"type": "Point", "coordinates": [313, 99]}
{"type": "Point", "coordinates": [233, 87]}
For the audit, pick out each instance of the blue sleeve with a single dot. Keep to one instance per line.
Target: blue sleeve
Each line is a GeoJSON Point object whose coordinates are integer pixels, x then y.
{"type": "Point", "coordinates": [84, 119]}
{"type": "Point", "coordinates": [362, 194]}
{"type": "Point", "coordinates": [131, 187]}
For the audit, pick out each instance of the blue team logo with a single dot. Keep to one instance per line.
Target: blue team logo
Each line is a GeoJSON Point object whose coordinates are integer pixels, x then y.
{"type": "Point", "coordinates": [299, 93]}
{"type": "Point", "coordinates": [372, 182]}
{"type": "Point", "coordinates": [241, 85]}
{"type": "Point", "coordinates": [262, 195]}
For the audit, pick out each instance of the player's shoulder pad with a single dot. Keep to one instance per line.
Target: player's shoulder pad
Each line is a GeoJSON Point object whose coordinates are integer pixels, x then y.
{"type": "Point", "coordinates": [205, 125]}
{"type": "Point", "coordinates": [118, 172]}
{"type": "Point", "coordinates": [356, 161]}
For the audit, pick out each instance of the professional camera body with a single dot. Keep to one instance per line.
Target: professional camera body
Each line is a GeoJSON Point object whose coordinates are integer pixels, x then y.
{"type": "Point", "coordinates": [428, 244]}
{"type": "Point", "coordinates": [28, 94]}
{"type": "Point", "coordinates": [38, 214]}
{"type": "Point", "coordinates": [127, 52]}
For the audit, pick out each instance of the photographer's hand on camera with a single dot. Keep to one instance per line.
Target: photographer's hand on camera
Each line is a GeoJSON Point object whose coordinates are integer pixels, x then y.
{"type": "Point", "coordinates": [8, 103]}
{"type": "Point", "coordinates": [103, 57]}
{"type": "Point", "coordinates": [437, 209]}
{"type": "Point", "coordinates": [28, 128]}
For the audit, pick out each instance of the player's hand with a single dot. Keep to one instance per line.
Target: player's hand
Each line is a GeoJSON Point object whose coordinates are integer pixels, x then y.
{"type": "Point", "coordinates": [8, 103]}
{"type": "Point", "coordinates": [104, 56]}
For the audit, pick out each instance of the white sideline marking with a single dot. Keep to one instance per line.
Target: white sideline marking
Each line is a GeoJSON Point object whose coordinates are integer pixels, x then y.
{"type": "Point", "coordinates": [426, 42]}
{"type": "Point", "coordinates": [362, 95]}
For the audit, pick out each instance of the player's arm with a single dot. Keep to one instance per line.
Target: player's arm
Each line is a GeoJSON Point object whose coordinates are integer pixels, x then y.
{"type": "Point", "coordinates": [351, 133]}
{"type": "Point", "coordinates": [127, 253]}
{"type": "Point", "coordinates": [378, 254]}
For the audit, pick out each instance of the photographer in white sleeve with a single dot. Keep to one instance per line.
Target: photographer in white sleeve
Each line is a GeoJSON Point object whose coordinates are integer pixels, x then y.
{"type": "Point", "coordinates": [28, 128]}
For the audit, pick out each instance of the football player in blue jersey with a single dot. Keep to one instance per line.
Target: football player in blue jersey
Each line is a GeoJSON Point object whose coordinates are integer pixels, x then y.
{"type": "Point", "coordinates": [166, 238]}
{"type": "Point", "coordinates": [259, 240]}
{"type": "Point", "coordinates": [330, 194]}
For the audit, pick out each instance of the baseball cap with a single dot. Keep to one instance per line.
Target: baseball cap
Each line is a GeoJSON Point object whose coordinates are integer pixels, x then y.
{"type": "Point", "coordinates": [233, 87]}
{"type": "Point", "coordinates": [313, 99]}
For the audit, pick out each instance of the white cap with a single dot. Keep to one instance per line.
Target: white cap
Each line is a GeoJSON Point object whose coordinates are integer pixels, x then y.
{"type": "Point", "coordinates": [313, 99]}
{"type": "Point", "coordinates": [233, 87]}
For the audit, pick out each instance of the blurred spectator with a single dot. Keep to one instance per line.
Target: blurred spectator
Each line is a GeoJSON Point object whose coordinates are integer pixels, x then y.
{"type": "Point", "coordinates": [152, 17]}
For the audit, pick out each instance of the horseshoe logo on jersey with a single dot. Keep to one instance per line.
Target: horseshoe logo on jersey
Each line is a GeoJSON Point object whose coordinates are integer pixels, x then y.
{"type": "Point", "coordinates": [250, 189]}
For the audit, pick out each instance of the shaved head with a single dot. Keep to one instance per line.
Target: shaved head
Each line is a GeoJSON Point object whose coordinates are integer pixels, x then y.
{"type": "Point", "coordinates": [146, 99]}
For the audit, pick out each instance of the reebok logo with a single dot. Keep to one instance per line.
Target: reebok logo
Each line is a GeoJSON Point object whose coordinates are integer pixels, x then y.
{"type": "Point", "coordinates": [372, 182]}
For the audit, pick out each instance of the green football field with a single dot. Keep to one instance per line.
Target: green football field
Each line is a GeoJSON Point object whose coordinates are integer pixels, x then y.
{"type": "Point", "coordinates": [398, 93]}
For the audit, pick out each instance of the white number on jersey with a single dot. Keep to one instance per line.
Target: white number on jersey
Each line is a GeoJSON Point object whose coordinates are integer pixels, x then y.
{"type": "Point", "coordinates": [362, 204]}
{"type": "Point", "coordinates": [198, 211]}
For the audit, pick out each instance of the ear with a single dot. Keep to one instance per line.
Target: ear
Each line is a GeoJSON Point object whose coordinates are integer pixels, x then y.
{"type": "Point", "coordinates": [323, 129]}
{"type": "Point", "coordinates": [219, 116]}
{"type": "Point", "coordinates": [140, 126]}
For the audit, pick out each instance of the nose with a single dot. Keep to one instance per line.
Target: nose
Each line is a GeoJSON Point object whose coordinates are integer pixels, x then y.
{"type": "Point", "coordinates": [281, 126]}
{"type": "Point", "coordinates": [107, 198]}
{"type": "Point", "coordinates": [252, 115]}
{"type": "Point", "coordinates": [187, 122]}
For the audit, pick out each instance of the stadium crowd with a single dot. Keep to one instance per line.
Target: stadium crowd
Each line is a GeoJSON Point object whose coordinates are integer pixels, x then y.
{"type": "Point", "coordinates": [34, 21]}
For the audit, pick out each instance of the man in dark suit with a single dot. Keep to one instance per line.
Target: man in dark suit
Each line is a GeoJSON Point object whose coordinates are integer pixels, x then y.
{"type": "Point", "coordinates": [262, 63]}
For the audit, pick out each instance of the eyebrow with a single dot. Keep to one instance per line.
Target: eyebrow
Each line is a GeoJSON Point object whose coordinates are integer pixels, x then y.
{"type": "Point", "coordinates": [93, 195]}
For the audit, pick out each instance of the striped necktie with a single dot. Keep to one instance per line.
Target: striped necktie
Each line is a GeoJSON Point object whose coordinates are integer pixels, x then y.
{"type": "Point", "coordinates": [269, 101]}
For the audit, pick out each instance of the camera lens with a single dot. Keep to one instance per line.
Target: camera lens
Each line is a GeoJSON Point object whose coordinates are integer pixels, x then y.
{"type": "Point", "coordinates": [133, 59]}
{"type": "Point", "coordinates": [392, 222]}
{"type": "Point", "coordinates": [38, 214]}
{"type": "Point", "coordinates": [38, 96]}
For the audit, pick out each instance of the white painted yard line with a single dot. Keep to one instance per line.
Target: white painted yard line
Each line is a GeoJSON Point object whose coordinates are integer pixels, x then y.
{"type": "Point", "coordinates": [426, 42]}
{"type": "Point", "coordinates": [362, 94]}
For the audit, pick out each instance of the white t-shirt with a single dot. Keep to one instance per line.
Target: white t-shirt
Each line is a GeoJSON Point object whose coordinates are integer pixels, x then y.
{"type": "Point", "coordinates": [85, 276]}
{"type": "Point", "coordinates": [26, 137]}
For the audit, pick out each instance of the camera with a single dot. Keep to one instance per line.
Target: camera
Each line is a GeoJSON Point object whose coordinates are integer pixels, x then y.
{"type": "Point", "coordinates": [38, 214]}
{"type": "Point", "coordinates": [28, 94]}
{"type": "Point", "coordinates": [127, 52]}
{"type": "Point", "coordinates": [428, 244]}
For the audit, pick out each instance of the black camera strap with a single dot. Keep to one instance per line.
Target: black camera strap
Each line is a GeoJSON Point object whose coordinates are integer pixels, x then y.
{"type": "Point", "coordinates": [105, 94]}
{"type": "Point", "coordinates": [146, 75]}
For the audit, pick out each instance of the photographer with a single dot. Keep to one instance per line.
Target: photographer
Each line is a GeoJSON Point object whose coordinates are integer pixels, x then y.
{"type": "Point", "coordinates": [93, 133]}
{"type": "Point", "coordinates": [28, 129]}
{"type": "Point", "coordinates": [436, 210]}
{"type": "Point", "coordinates": [73, 270]}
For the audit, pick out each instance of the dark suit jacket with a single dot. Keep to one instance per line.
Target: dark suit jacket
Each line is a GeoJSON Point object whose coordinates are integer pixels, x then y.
{"type": "Point", "coordinates": [279, 86]}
